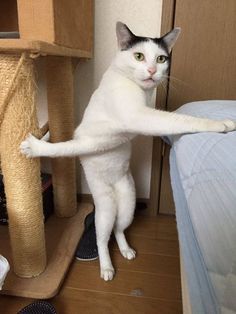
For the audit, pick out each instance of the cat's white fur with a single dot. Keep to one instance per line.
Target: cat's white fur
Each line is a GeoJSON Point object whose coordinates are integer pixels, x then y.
{"type": "Point", "coordinates": [118, 111]}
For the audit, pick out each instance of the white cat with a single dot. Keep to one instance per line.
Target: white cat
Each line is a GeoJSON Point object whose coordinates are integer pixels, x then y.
{"type": "Point", "coordinates": [117, 112]}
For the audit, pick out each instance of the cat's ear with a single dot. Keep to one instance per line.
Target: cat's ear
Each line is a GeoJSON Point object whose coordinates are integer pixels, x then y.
{"type": "Point", "coordinates": [171, 37]}
{"type": "Point", "coordinates": [124, 35]}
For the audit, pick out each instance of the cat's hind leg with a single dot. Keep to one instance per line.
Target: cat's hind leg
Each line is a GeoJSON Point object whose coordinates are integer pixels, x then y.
{"type": "Point", "coordinates": [105, 213]}
{"type": "Point", "coordinates": [126, 199]}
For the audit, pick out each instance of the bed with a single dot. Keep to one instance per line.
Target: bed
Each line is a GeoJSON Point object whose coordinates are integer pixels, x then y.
{"type": "Point", "coordinates": [203, 179]}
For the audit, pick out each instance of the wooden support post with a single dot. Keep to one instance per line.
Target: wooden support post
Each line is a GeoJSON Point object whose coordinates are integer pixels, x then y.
{"type": "Point", "coordinates": [60, 92]}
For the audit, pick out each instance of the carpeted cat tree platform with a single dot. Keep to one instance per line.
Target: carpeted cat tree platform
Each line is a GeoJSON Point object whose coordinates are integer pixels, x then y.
{"type": "Point", "coordinates": [39, 254]}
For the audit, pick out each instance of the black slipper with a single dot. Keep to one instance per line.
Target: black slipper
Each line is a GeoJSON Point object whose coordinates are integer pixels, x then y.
{"type": "Point", "coordinates": [87, 248]}
{"type": "Point", "coordinates": [38, 307]}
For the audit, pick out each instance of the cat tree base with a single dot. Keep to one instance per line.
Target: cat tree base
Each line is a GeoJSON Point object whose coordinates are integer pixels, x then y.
{"type": "Point", "coordinates": [62, 236]}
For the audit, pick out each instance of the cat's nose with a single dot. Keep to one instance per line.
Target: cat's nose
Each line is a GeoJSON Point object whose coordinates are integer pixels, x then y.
{"type": "Point", "coordinates": [152, 70]}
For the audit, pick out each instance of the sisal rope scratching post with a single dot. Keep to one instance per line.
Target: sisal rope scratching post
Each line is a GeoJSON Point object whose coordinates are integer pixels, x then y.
{"type": "Point", "coordinates": [60, 94]}
{"type": "Point", "coordinates": [21, 175]}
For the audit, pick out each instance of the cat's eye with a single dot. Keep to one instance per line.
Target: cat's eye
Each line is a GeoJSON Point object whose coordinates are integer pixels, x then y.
{"type": "Point", "coordinates": [161, 59]}
{"type": "Point", "coordinates": [139, 56]}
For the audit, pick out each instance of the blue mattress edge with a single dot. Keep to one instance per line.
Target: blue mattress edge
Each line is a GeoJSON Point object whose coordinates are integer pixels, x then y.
{"type": "Point", "coordinates": [202, 296]}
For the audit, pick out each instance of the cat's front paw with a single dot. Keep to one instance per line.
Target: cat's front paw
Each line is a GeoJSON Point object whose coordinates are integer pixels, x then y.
{"type": "Point", "coordinates": [229, 125]}
{"type": "Point", "coordinates": [29, 146]}
{"type": "Point", "coordinates": [107, 273]}
{"type": "Point", "coordinates": [128, 253]}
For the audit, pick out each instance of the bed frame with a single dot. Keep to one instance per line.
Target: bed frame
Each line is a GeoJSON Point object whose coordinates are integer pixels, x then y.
{"type": "Point", "coordinates": [185, 292]}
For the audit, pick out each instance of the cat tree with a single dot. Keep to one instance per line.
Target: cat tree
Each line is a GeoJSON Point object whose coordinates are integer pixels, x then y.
{"type": "Point", "coordinates": [57, 30]}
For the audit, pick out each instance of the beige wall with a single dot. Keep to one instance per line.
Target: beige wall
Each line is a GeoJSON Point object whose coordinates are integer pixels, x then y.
{"type": "Point", "coordinates": [144, 18]}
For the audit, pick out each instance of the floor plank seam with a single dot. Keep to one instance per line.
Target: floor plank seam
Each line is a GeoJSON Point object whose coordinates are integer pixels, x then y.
{"type": "Point", "coordinates": [123, 294]}
{"type": "Point", "coordinates": [139, 272]}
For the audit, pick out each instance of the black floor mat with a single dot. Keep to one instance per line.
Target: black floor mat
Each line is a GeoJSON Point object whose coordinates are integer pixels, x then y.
{"type": "Point", "coordinates": [87, 248]}
{"type": "Point", "coordinates": [38, 307]}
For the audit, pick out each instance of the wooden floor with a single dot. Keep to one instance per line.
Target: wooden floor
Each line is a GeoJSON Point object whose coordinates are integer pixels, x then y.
{"type": "Point", "coordinates": [150, 284]}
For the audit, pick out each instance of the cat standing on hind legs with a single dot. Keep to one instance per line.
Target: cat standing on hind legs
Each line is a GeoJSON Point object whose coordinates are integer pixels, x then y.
{"type": "Point", "coordinates": [118, 111]}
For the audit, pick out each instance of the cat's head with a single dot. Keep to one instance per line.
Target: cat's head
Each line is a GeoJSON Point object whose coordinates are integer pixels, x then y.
{"type": "Point", "coordinates": [143, 59]}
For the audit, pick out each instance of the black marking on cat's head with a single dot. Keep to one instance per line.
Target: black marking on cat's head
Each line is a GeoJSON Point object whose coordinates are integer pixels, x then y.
{"type": "Point", "coordinates": [126, 39]}
{"type": "Point", "coordinates": [160, 42]}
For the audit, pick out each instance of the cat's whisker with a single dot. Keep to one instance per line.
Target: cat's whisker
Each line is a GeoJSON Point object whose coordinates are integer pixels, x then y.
{"type": "Point", "coordinates": [175, 79]}
{"type": "Point", "coordinates": [165, 83]}
{"type": "Point", "coordinates": [171, 85]}
{"type": "Point", "coordinates": [164, 87]}
{"type": "Point", "coordinates": [175, 83]}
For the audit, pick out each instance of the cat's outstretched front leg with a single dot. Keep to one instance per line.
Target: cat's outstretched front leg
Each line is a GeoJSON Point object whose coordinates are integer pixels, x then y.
{"type": "Point", "coordinates": [33, 147]}
{"type": "Point", "coordinates": [150, 121]}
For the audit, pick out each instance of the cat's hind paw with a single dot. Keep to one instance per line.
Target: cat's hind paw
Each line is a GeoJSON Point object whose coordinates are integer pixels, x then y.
{"type": "Point", "coordinates": [129, 253]}
{"type": "Point", "coordinates": [107, 274]}
{"type": "Point", "coordinates": [28, 146]}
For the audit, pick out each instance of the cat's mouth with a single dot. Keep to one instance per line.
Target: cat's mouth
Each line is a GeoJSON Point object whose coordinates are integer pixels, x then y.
{"type": "Point", "coordinates": [149, 80]}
